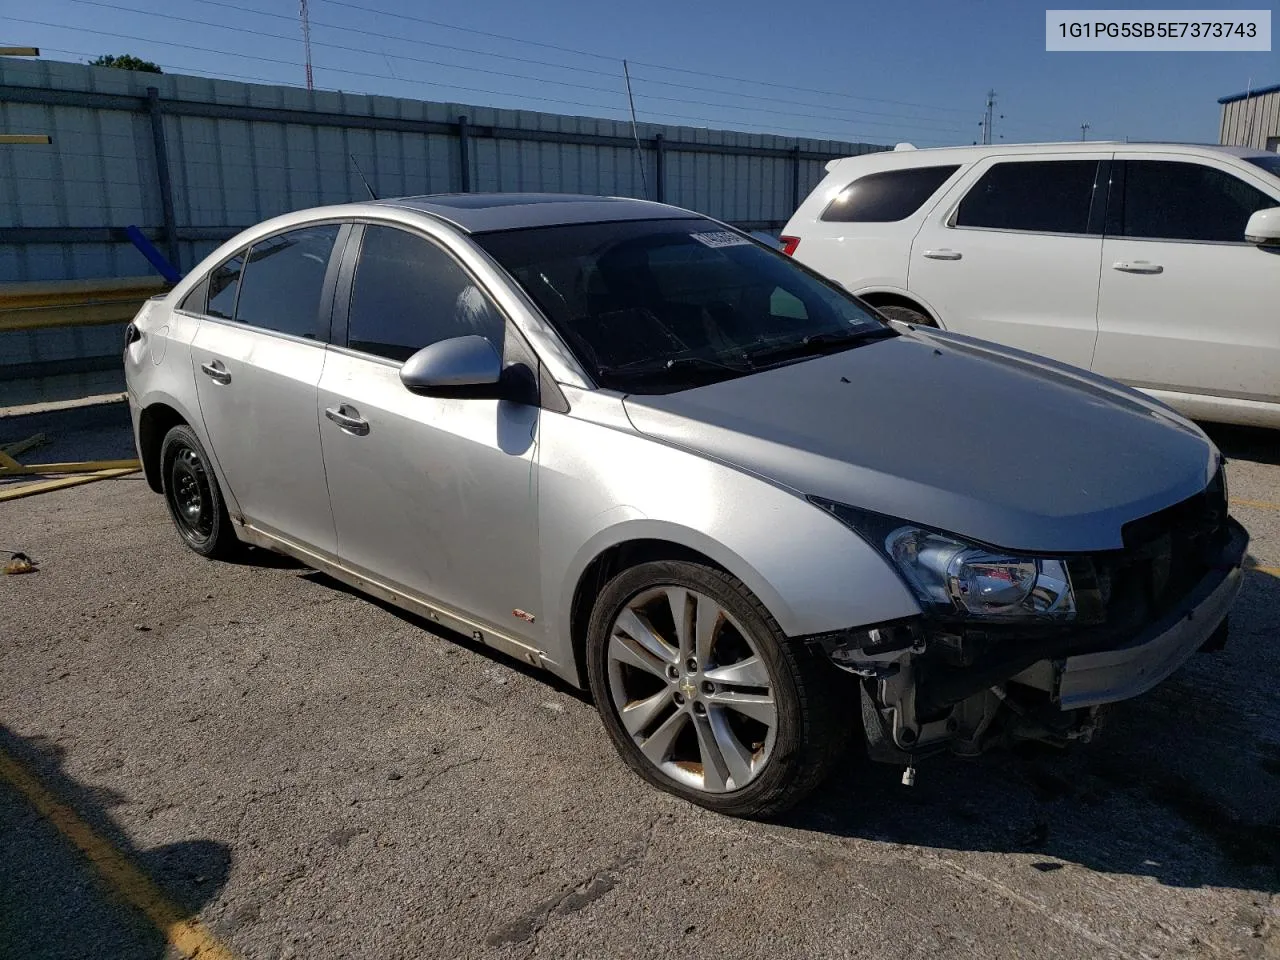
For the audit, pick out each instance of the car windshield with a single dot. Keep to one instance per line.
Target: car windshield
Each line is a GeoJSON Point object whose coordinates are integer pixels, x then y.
{"type": "Point", "coordinates": [653, 306]}
{"type": "Point", "coordinates": [1269, 162]}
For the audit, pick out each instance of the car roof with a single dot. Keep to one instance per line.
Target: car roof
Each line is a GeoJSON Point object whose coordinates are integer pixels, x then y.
{"type": "Point", "coordinates": [484, 212]}
{"type": "Point", "coordinates": [907, 156]}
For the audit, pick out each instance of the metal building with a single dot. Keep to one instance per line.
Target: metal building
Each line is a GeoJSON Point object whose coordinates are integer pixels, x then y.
{"type": "Point", "coordinates": [1252, 119]}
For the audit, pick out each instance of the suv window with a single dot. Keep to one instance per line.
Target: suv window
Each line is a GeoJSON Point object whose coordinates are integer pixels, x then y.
{"type": "Point", "coordinates": [1169, 200]}
{"type": "Point", "coordinates": [409, 293]}
{"type": "Point", "coordinates": [887, 196]}
{"type": "Point", "coordinates": [280, 289]}
{"type": "Point", "coordinates": [1046, 196]}
{"type": "Point", "coordinates": [224, 284]}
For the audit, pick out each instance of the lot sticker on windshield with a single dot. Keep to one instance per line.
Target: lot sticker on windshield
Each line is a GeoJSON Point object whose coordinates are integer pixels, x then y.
{"type": "Point", "coordinates": [721, 238]}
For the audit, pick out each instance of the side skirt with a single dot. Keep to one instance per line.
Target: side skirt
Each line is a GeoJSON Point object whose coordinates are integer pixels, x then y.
{"type": "Point", "coordinates": [433, 611]}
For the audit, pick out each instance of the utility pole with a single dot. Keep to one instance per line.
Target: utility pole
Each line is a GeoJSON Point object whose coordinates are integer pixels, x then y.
{"type": "Point", "coordinates": [306, 38]}
{"type": "Point", "coordinates": [989, 118]}
{"type": "Point", "coordinates": [1084, 131]}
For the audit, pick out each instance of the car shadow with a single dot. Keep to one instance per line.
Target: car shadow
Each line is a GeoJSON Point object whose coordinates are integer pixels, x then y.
{"type": "Point", "coordinates": [1245, 443]}
{"type": "Point", "coordinates": [1181, 785]}
{"type": "Point", "coordinates": [53, 902]}
{"type": "Point", "coordinates": [452, 636]}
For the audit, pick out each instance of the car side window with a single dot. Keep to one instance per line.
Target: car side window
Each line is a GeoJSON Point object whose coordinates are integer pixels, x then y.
{"type": "Point", "coordinates": [224, 285]}
{"type": "Point", "coordinates": [1171, 200]}
{"type": "Point", "coordinates": [281, 282]}
{"type": "Point", "coordinates": [887, 196]}
{"type": "Point", "coordinates": [1044, 196]}
{"type": "Point", "coordinates": [409, 293]}
{"type": "Point", "coordinates": [194, 301]}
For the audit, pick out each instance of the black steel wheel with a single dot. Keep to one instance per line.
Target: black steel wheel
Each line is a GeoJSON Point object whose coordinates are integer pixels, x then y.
{"type": "Point", "coordinates": [192, 495]}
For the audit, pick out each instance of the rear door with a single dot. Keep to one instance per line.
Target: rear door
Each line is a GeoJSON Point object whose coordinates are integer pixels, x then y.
{"type": "Point", "coordinates": [1012, 254]}
{"type": "Point", "coordinates": [258, 356]}
{"type": "Point", "coordinates": [1185, 304]}
{"type": "Point", "coordinates": [434, 497]}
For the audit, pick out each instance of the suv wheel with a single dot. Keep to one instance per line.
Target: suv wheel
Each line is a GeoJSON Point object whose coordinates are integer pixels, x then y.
{"type": "Point", "coordinates": [192, 494]}
{"type": "Point", "coordinates": [705, 697]}
{"type": "Point", "coordinates": [907, 315]}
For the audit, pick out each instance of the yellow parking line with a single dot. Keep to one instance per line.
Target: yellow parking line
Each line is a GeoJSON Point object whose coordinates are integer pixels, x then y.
{"type": "Point", "coordinates": [188, 936]}
{"type": "Point", "coordinates": [1259, 504]}
{"type": "Point", "coordinates": [1274, 571]}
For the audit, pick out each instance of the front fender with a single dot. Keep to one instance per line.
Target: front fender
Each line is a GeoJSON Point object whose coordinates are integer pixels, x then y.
{"type": "Point", "coordinates": [604, 484]}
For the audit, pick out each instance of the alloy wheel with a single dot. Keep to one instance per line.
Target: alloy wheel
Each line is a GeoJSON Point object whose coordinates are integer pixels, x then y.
{"type": "Point", "coordinates": [691, 689]}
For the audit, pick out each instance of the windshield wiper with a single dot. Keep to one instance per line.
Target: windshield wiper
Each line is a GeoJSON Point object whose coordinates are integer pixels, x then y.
{"type": "Point", "coordinates": [819, 343]}
{"type": "Point", "coordinates": [647, 366]}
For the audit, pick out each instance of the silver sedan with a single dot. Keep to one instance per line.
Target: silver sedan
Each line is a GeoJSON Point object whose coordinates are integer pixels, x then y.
{"type": "Point", "coordinates": [638, 449]}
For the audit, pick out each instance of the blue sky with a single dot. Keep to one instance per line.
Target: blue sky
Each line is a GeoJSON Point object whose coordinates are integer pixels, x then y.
{"type": "Point", "coordinates": [916, 70]}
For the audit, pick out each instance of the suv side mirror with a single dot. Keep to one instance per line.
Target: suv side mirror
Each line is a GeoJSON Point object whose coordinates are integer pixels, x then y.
{"type": "Point", "coordinates": [470, 368]}
{"type": "Point", "coordinates": [1263, 227]}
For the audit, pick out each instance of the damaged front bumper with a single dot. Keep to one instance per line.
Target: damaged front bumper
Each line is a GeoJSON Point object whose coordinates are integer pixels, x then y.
{"type": "Point", "coordinates": [930, 685]}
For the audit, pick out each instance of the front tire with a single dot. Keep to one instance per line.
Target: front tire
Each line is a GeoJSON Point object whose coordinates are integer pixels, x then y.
{"type": "Point", "coordinates": [906, 315]}
{"type": "Point", "coordinates": [192, 495]}
{"type": "Point", "coordinates": [705, 697]}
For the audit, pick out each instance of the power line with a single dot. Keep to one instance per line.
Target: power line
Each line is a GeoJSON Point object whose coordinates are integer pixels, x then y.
{"type": "Point", "coordinates": [614, 59]}
{"type": "Point", "coordinates": [762, 128]}
{"type": "Point", "coordinates": [924, 124]}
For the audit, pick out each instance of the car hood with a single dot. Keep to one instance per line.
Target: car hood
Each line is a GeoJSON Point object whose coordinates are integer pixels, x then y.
{"type": "Point", "coordinates": [1000, 447]}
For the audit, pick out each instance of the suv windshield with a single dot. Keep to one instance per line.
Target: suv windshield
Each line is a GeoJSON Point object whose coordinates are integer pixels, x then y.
{"type": "Point", "coordinates": [652, 306]}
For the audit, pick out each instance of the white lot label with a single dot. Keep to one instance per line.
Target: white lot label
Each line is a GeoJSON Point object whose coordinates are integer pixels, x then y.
{"type": "Point", "coordinates": [721, 238]}
{"type": "Point", "coordinates": [1081, 30]}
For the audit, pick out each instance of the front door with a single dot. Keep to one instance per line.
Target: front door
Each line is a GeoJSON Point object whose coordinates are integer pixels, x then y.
{"type": "Point", "coordinates": [1016, 259]}
{"type": "Point", "coordinates": [1185, 304]}
{"type": "Point", "coordinates": [435, 497]}
{"type": "Point", "coordinates": [258, 355]}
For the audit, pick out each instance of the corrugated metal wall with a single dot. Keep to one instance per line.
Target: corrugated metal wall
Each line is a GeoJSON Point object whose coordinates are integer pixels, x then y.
{"type": "Point", "coordinates": [240, 153]}
{"type": "Point", "coordinates": [1252, 121]}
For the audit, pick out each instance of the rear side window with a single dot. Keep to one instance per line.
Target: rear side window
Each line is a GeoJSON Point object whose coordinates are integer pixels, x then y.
{"type": "Point", "coordinates": [224, 284]}
{"type": "Point", "coordinates": [1050, 196]}
{"type": "Point", "coordinates": [280, 289]}
{"type": "Point", "coordinates": [409, 293]}
{"type": "Point", "coordinates": [887, 196]}
{"type": "Point", "coordinates": [193, 302]}
{"type": "Point", "coordinates": [1168, 200]}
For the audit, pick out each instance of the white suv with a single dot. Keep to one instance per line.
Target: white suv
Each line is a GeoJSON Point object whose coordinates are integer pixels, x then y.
{"type": "Point", "coordinates": [1155, 264]}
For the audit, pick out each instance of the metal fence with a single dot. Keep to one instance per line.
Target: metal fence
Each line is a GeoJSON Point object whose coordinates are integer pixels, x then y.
{"type": "Point", "coordinates": [191, 161]}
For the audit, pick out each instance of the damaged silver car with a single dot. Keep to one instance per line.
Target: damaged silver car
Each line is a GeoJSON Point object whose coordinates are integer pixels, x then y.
{"type": "Point", "coordinates": [640, 450]}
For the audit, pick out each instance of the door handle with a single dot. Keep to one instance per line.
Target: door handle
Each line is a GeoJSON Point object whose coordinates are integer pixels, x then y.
{"type": "Point", "coordinates": [348, 419]}
{"type": "Point", "coordinates": [944, 254]}
{"type": "Point", "coordinates": [216, 371]}
{"type": "Point", "coordinates": [1137, 266]}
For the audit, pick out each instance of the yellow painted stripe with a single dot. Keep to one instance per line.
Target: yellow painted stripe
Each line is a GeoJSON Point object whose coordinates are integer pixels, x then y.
{"type": "Point", "coordinates": [25, 138]}
{"type": "Point", "coordinates": [1274, 571]}
{"type": "Point", "coordinates": [1257, 504]}
{"type": "Point", "coordinates": [188, 936]}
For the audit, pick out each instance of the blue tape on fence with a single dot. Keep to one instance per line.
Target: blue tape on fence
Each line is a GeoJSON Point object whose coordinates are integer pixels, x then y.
{"type": "Point", "coordinates": [148, 250]}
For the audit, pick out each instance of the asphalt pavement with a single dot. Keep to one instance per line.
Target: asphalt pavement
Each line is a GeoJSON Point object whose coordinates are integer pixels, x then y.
{"type": "Point", "coordinates": [290, 769]}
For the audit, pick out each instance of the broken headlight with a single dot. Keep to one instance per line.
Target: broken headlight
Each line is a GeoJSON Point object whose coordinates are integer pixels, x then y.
{"type": "Point", "coordinates": [951, 575]}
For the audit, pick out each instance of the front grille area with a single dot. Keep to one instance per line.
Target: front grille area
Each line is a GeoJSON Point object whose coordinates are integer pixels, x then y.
{"type": "Point", "coordinates": [1165, 555]}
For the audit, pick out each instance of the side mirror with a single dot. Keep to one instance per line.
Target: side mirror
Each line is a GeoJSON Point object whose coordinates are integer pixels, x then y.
{"type": "Point", "coordinates": [468, 367]}
{"type": "Point", "coordinates": [1263, 227]}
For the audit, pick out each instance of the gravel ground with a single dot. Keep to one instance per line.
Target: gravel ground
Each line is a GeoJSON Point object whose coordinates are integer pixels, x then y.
{"type": "Point", "coordinates": [312, 774]}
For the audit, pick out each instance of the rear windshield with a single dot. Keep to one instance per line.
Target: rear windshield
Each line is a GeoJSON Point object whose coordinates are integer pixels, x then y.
{"type": "Point", "coordinates": [652, 306]}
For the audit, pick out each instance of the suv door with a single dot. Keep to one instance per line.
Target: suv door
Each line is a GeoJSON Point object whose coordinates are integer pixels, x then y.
{"type": "Point", "coordinates": [257, 356]}
{"type": "Point", "coordinates": [1012, 254]}
{"type": "Point", "coordinates": [1185, 304]}
{"type": "Point", "coordinates": [433, 497]}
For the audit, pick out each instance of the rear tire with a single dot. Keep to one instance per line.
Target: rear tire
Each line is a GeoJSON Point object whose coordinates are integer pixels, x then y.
{"type": "Point", "coordinates": [725, 712]}
{"type": "Point", "coordinates": [906, 315]}
{"type": "Point", "coordinates": [191, 492]}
